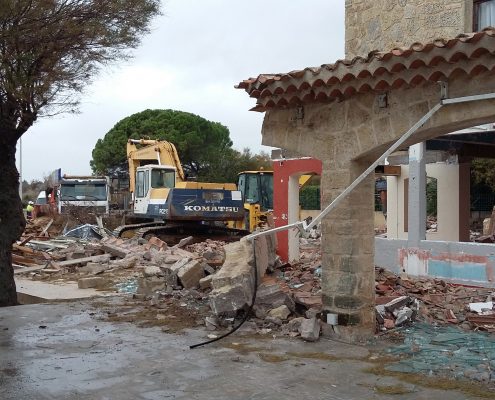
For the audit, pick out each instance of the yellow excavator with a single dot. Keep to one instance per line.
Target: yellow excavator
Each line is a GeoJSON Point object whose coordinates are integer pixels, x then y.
{"type": "Point", "coordinates": [256, 188]}
{"type": "Point", "coordinates": [162, 196]}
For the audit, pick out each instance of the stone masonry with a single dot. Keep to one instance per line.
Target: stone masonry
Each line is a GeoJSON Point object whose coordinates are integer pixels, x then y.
{"type": "Point", "coordinates": [348, 136]}
{"type": "Point", "coordinates": [385, 24]}
{"type": "Point", "coordinates": [347, 114]}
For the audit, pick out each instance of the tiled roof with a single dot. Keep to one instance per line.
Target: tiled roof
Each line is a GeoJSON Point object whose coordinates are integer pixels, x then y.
{"type": "Point", "coordinates": [401, 67]}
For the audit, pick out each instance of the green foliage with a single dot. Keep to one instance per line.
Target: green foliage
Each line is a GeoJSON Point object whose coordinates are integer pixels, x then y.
{"type": "Point", "coordinates": [483, 171]}
{"type": "Point", "coordinates": [309, 197]}
{"type": "Point", "coordinates": [226, 167]}
{"type": "Point", "coordinates": [204, 147]}
{"type": "Point", "coordinates": [30, 190]}
{"type": "Point", "coordinates": [431, 197]}
{"type": "Point", "coordinates": [50, 50]}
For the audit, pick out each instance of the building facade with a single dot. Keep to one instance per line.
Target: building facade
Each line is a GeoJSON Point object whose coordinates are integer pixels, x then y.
{"type": "Point", "coordinates": [386, 24]}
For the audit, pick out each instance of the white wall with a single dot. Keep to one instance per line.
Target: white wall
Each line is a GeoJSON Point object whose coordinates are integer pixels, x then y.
{"type": "Point", "coordinates": [447, 176]}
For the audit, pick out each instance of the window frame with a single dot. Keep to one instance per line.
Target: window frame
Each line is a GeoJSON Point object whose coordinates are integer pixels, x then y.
{"type": "Point", "coordinates": [476, 10]}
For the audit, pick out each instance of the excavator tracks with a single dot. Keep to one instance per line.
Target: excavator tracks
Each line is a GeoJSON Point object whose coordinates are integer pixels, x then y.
{"type": "Point", "coordinates": [172, 233]}
{"type": "Point", "coordinates": [121, 231]}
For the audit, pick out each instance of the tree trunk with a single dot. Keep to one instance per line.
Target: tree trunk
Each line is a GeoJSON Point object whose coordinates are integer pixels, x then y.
{"type": "Point", "coordinates": [12, 220]}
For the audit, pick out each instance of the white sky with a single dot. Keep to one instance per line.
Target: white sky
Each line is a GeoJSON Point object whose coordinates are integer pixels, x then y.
{"type": "Point", "coordinates": [197, 51]}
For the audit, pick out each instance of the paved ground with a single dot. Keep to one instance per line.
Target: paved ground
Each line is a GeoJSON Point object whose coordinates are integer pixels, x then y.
{"type": "Point", "coordinates": [29, 291]}
{"type": "Point", "coordinates": [60, 351]}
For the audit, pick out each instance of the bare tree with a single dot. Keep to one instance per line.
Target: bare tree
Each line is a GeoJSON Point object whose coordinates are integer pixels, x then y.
{"type": "Point", "coordinates": [49, 51]}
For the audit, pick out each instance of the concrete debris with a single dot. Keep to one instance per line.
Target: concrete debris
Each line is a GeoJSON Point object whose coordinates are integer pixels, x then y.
{"type": "Point", "coordinates": [155, 243]}
{"type": "Point", "coordinates": [233, 284]}
{"type": "Point", "coordinates": [228, 300]}
{"type": "Point", "coordinates": [212, 323]}
{"type": "Point", "coordinates": [205, 283]}
{"type": "Point", "coordinates": [270, 296]}
{"type": "Point", "coordinates": [117, 251]}
{"type": "Point", "coordinates": [310, 329]}
{"type": "Point", "coordinates": [150, 285]}
{"type": "Point", "coordinates": [190, 274]}
{"type": "Point", "coordinates": [488, 229]}
{"type": "Point", "coordinates": [91, 282]}
{"type": "Point", "coordinates": [92, 268]}
{"type": "Point", "coordinates": [281, 312]}
{"type": "Point", "coordinates": [403, 315]}
{"type": "Point", "coordinates": [152, 270]}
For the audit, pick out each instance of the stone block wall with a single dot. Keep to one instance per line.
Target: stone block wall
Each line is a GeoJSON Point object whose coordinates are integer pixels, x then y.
{"type": "Point", "coordinates": [385, 24]}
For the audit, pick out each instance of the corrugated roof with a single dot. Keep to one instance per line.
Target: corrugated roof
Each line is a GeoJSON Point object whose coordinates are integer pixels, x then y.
{"type": "Point", "coordinates": [440, 59]}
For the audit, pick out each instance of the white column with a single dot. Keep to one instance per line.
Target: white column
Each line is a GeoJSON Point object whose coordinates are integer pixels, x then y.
{"type": "Point", "coordinates": [293, 216]}
{"type": "Point", "coordinates": [417, 195]}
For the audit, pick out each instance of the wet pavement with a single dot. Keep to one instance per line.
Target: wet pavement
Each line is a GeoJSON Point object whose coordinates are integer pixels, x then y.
{"type": "Point", "coordinates": [62, 351]}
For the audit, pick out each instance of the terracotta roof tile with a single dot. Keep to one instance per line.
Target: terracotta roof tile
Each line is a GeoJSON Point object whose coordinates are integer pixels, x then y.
{"type": "Point", "coordinates": [469, 53]}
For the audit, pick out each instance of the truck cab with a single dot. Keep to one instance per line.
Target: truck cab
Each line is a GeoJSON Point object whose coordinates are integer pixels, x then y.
{"type": "Point", "coordinates": [89, 192]}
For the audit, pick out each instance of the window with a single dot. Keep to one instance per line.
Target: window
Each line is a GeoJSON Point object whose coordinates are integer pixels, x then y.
{"type": "Point", "coordinates": [162, 178]}
{"type": "Point", "coordinates": [140, 184]}
{"type": "Point", "coordinates": [266, 191]}
{"type": "Point", "coordinates": [146, 182]}
{"type": "Point", "coordinates": [252, 189]}
{"type": "Point", "coordinates": [483, 14]}
{"type": "Point", "coordinates": [83, 191]}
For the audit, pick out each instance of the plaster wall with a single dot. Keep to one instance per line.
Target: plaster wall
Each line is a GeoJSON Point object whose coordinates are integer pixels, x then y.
{"type": "Point", "coordinates": [465, 263]}
{"type": "Point", "coordinates": [386, 24]}
{"type": "Point", "coordinates": [447, 176]}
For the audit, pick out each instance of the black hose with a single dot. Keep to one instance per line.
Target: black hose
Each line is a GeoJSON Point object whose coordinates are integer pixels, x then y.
{"type": "Point", "coordinates": [248, 312]}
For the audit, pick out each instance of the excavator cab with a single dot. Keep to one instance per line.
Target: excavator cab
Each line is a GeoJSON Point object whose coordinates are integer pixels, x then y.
{"type": "Point", "coordinates": [257, 195]}
{"type": "Point", "coordinates": [153, 184]}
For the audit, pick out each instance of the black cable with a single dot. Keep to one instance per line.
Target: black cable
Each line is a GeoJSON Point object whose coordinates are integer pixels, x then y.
{"type": "Point", "coordinates": [248, 312]}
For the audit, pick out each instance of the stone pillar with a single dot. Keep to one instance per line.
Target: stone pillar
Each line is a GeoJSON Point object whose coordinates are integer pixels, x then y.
{"type": "Point", "coordinates": [348, 275]}
{"type": "Point", "coordinates": [416, 215]}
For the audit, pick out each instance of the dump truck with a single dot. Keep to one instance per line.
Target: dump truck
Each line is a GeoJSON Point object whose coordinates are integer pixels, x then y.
{"type": "Point", "coordinates": [89, 192]}
{"type": "Point", "coordinates": [164, 200]}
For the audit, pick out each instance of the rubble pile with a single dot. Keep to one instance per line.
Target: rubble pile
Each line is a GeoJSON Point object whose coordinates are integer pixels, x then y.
{"type": "Point", "coordinates": [488, 230]}
{"type": "Point", "coordinates": [302, 279]}
{"type": "Point", "coordinates": [431, 224]}
{"type": "Point", "coordinates": [430, 300]}
{"type": "Point", "coordinates": [106, 262]}
{"type": "Point", "coordinates": [220, 276]}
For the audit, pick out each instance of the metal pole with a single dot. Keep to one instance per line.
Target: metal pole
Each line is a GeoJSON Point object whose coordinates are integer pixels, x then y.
{"type": "Point", "coordinates": [301, 225]}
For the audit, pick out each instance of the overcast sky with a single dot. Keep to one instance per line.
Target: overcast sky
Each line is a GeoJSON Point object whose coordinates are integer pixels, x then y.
{"type": "Point", "coordinates": [197, 51]}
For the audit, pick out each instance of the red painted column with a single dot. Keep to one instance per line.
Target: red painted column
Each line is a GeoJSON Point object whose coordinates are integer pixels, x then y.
{"type": "Point", "coordinates": [283, 169]}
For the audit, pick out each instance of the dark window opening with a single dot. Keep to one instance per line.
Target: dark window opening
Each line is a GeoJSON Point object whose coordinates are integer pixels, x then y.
{"type": "Point", "coordinates": [483, 14]}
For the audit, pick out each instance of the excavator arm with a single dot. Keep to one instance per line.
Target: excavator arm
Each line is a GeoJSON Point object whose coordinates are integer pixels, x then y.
{"type": "Point", "coordinates": [152, 152]}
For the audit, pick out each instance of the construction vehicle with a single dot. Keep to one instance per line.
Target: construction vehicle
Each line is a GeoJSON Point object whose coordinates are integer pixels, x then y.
{"type": "Point", "coordinates": [257, 194]}
{"type": "Point", "coordinates": [256, 188]}
{"type": "Point", "coordinates": [89, 192]}
{"type": "Point", "coordinates": [163, 197]}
